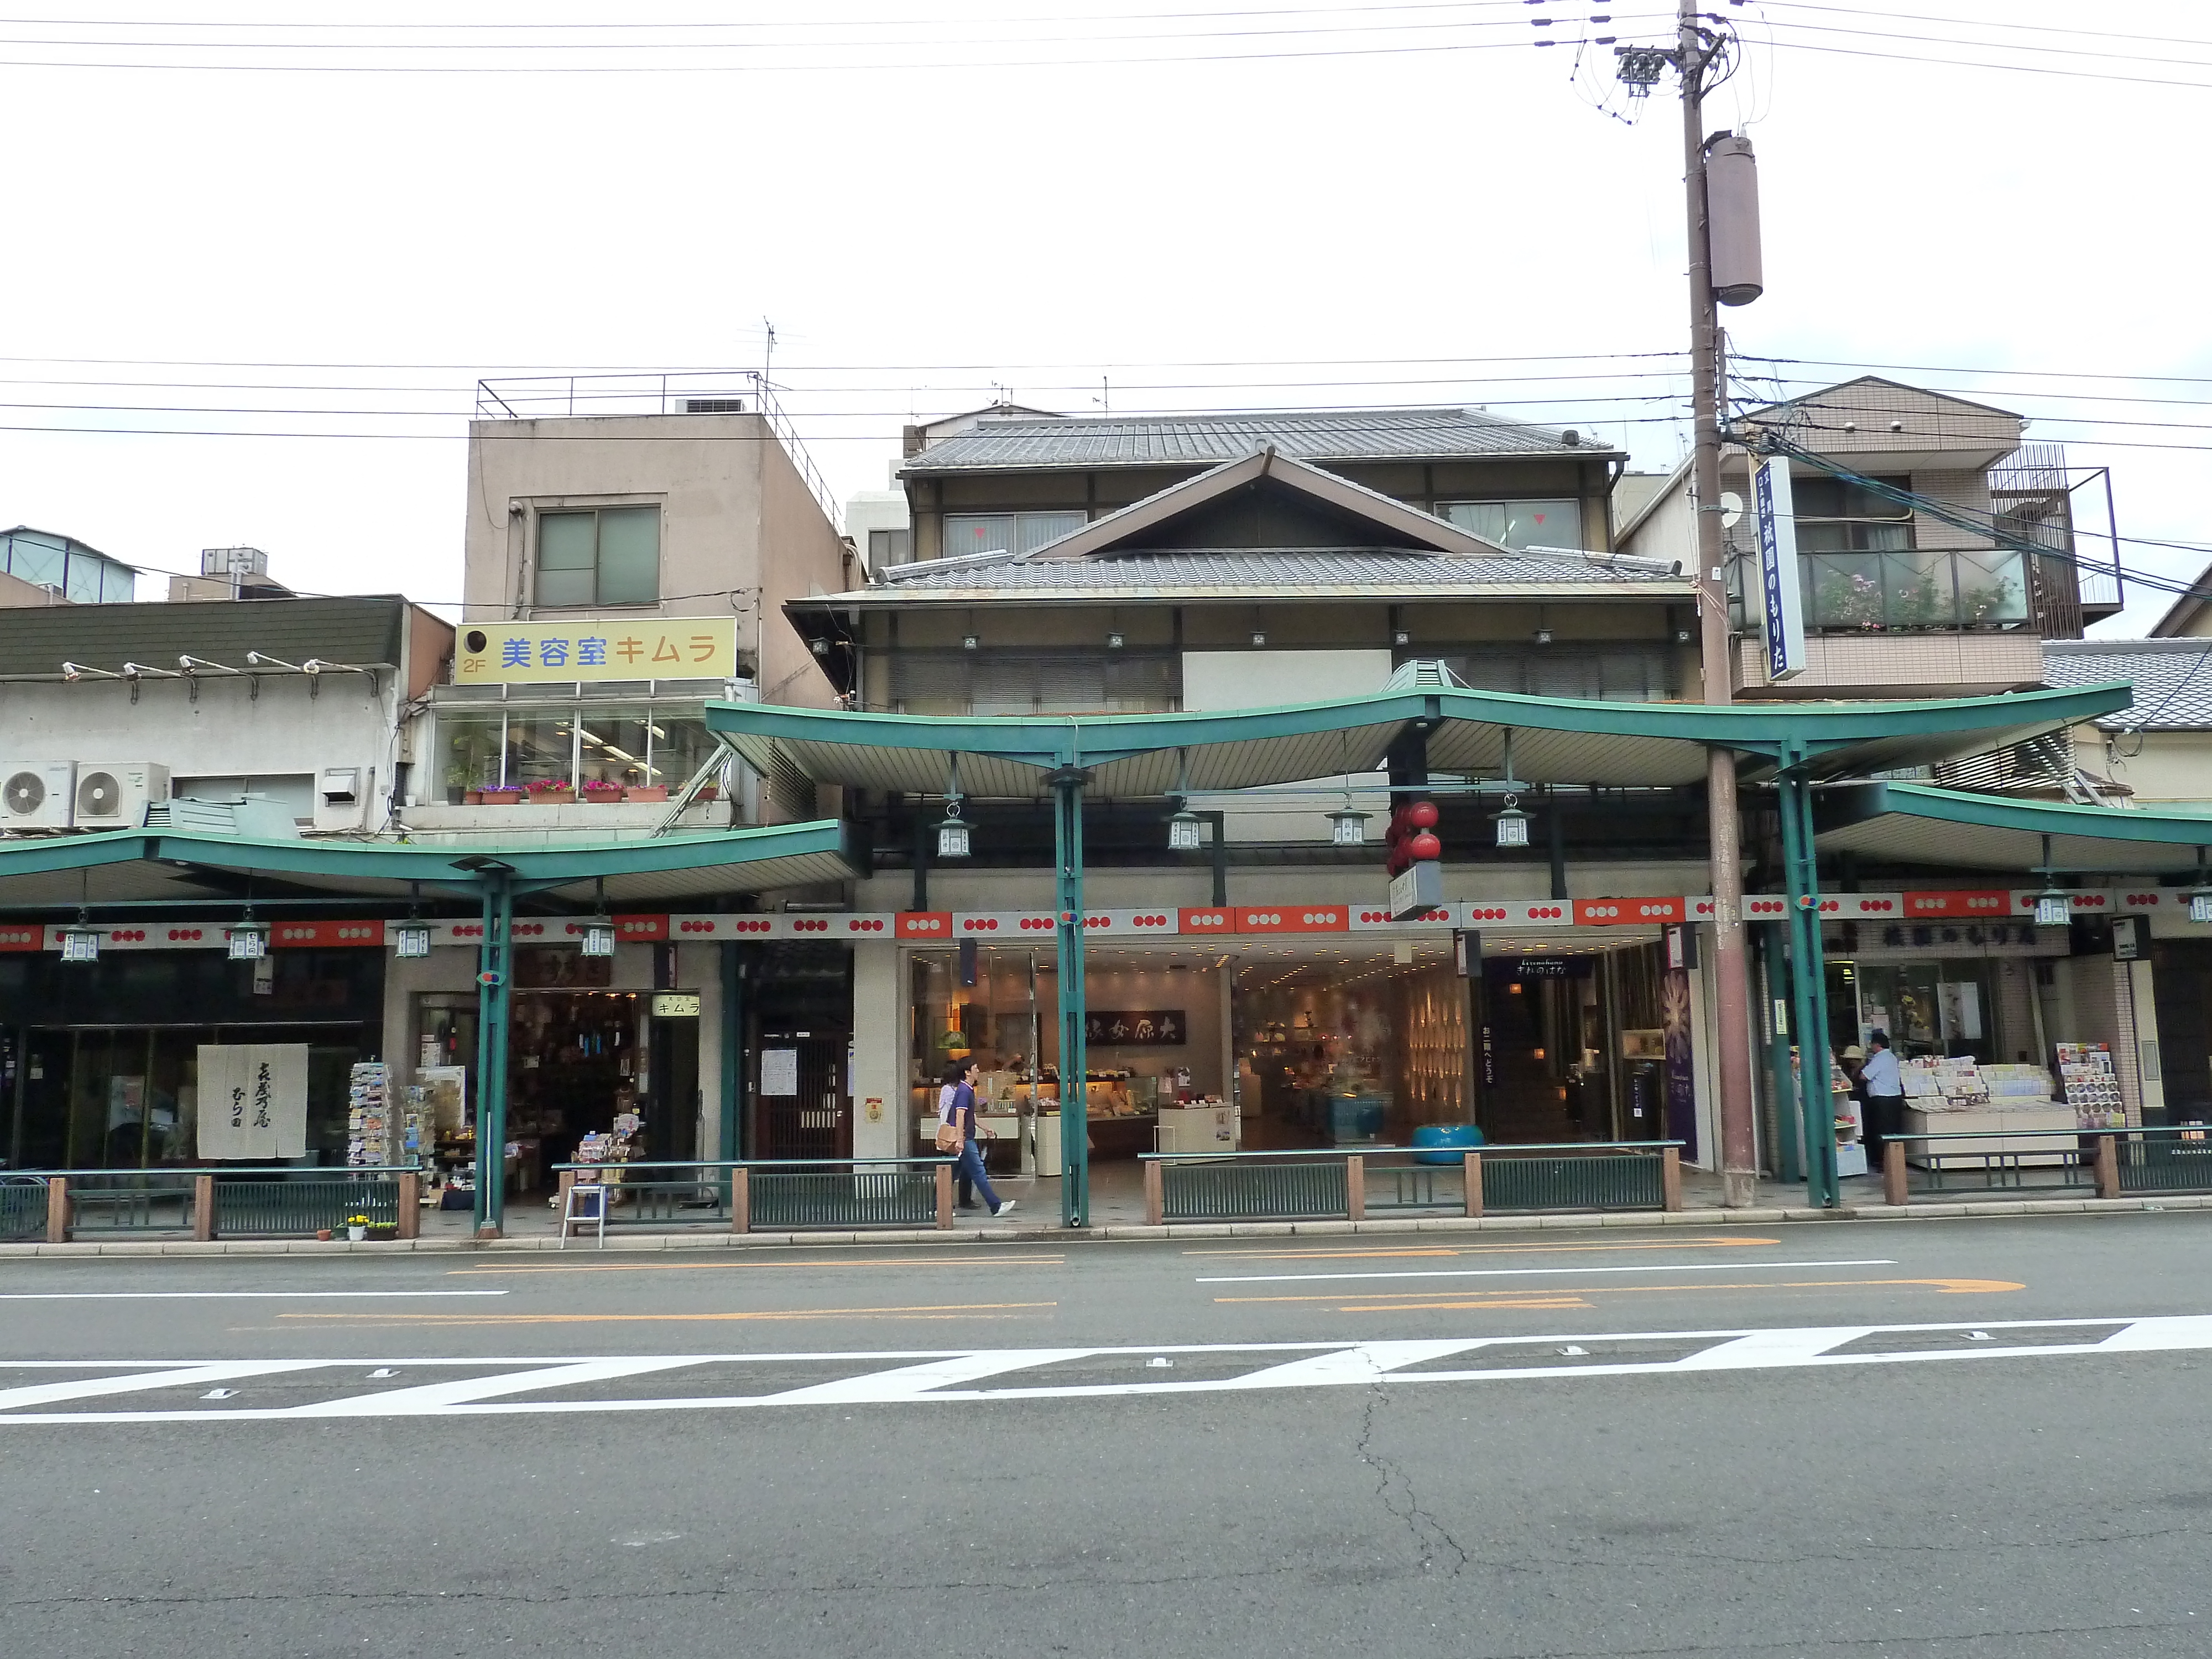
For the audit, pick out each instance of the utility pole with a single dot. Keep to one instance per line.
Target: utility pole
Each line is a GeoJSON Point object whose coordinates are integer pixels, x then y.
{"type": "Point", "coordinates": [1695, 50]}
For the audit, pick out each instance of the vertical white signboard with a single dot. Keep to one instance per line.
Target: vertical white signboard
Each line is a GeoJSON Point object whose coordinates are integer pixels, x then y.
{"type": "Point", "coordinates": [1777, 568]}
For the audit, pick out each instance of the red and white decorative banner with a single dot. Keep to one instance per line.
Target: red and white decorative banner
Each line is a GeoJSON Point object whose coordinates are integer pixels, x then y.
{"type": "Point", "coordinates": [1626, 912]}
{"type": "Point", "coordinates": [995, 925]}
{"type": "Point", "coordinates": [1515, 912]}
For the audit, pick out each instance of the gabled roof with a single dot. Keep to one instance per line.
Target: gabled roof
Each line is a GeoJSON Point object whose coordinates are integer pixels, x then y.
{"type": "Point", "coordinates": [1366, 573]}
{"type": "Point", "coordinates": [1311, 434]}
{"type": "Point", "coordinates": [2181, 619]}
{"type": "Point", "coordinates": [2172, 678]}
{"type": "Point", "coordinates": [1887, 391]}
{"type": "Point", "coordinates": [1395, 523]}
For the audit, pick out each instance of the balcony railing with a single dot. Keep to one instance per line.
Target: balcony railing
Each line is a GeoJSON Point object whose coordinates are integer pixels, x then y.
{"type": "Point", "coordinates": [1914, 588]}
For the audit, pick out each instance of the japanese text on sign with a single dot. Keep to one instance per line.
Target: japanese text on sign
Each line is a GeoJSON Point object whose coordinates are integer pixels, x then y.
{"type": "Point", "coordinates": [667, 648]}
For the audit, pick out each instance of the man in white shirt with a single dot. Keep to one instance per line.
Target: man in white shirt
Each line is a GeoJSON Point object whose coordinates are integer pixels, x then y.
{"type": "Point", "coordinates": [1885, 1091]}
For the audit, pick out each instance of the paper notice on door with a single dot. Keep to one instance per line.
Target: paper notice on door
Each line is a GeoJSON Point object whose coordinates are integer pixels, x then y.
{"type": "Point", "coordinates": [779, 1072]}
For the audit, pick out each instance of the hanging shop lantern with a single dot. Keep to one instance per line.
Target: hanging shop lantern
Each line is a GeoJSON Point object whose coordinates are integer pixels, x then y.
{"type": "Point", "coordinates": [411, 939]}
{"type": "Point", "coordinates": [952, 832]}
{"type": "Point", "coordinates": [80, 943]}
{"type": "Point", "coordinates": [1347, 828]}
{"type": "Point", "coordinates": [1184, 832]}
{"type": "Point", "coordinates": [1512, 824]}
{"type": "Point", "coordinates": [2052, 908]}
{"type": "Point", "coordinates": [599, 937]}
{"type": "Point", "coordinates": [249, 940]}
{"type": "Point", "coordinates": [2200, 905]}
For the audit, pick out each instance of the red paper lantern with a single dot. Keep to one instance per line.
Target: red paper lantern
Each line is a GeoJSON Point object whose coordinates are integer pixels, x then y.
{"type": "Point", "coordinates": [1425, 846]}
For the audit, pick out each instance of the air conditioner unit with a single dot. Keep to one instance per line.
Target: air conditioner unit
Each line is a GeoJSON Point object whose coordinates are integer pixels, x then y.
{"type": "Point", "coordinates": [36, 794]}
{"type": "Point", "coordinates": [115, 794]}
{"type": "Point", "coordinates": [714, 406]}
{"type": "Point", "coordinates": [342, 795]}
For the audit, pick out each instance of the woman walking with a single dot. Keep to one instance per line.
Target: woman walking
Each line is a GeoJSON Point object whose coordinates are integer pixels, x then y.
{"type": "Point", "coordinates": [955, 1109]}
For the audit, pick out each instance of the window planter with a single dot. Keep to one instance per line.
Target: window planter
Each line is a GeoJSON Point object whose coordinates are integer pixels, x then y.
{"type": "Point", "coordinates": [563, 796]}
{"type": "Point", "coordinates": [608, 795]}
{"type": "Point", "coordinates": [646, 791]}
{"type": "Point", "coordinates": [494, 798]}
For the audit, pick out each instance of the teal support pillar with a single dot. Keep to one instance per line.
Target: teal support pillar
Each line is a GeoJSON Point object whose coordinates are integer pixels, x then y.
{"type": "Point", "coordinates": [1808, 991]}
{"type": "Point", "coordinates": [482, 1076]}
{"type": "Point", "coordinates": [494, 998]}
{"type": "Point", "coordinates": [736, 963]}
{"type": "Point", "coordinates": [1074, 1125]}
{"type": "Point", "coordinates": [1774, 946]}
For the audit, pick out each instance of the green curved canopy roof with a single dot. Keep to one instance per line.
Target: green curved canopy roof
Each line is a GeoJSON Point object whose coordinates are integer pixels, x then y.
{"type": "Point", "coordinates": [1915, 823]}
{"type": "Point", "coordinates": [125, 865]}
{"type": "Point", "coordinates": [1555, 740]}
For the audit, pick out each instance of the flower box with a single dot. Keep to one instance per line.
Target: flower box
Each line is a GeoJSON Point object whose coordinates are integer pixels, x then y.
{"type": "Point", "coordinates": [646, 791]}
{"type": "Point", "coordinates": [558, 794]}
{"type": "Point", "coordinates": [496, 797]}
{"type": "Point", "coordinates": [602, 794]}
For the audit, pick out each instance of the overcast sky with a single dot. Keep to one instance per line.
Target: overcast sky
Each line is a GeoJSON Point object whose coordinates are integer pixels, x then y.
{"type": "Point", "coordinates": [1205, 203]}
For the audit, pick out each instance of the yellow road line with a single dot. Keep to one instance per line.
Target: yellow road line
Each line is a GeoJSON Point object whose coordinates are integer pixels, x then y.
{"type": "Point", "coordinates": [696, 1267]}
{"type": "Point", "coordinates": [1386, 1301]}
{"type": "Point", "coordinates": [946, 1311]}
{"type": "Point", "coordinates": [1321, 1253]}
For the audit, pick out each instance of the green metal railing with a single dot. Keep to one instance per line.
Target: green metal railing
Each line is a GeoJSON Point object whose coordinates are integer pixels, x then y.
{"type": "Point", "coordinates": [1356, 1182]}
{"type": "Point", "coordinates": [1270, 1187]}
{"type": "Point", "coordinates": [1612, 1176]}
{"type": "Point", "coordinates": [878, 1192]}
{"type": "Point", "coordinates": [128, 1200]}
{"type": "Point", "coordinates": [2167, 1159]}
{"type": "Point", "coordinates": [301, 1204]}
{"type": "Point", "coordinates": [22, 1208]}
{"type": "Point", "coordinates": [276, 1200]}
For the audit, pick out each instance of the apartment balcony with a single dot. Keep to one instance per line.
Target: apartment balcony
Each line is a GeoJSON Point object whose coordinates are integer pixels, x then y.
{"type": "Point", "coordinates": [1922, 662]}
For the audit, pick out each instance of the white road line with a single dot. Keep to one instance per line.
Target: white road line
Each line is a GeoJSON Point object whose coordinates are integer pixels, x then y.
{"type": "Point", "coordinates": [183, 1376]}
{"type": "Point", "coordinates": [1529, 1273]}
{"type": "Point", "coordinates": [911, 1382]}
{"type": "Point", "coordinates": [436, 1399]}
{"type": "Point", "coordinates": [215, 1296]}
{"type": "Point", "coordinates": [1318, 1365]}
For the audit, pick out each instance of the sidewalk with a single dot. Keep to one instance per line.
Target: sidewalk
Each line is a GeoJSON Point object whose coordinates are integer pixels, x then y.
{"type": "Point", "coordinates": [1117, 1213]}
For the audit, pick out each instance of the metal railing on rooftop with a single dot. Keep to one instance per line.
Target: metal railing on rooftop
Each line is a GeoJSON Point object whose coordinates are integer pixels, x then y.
{"type": "Point", "coordinates": [687, 391]}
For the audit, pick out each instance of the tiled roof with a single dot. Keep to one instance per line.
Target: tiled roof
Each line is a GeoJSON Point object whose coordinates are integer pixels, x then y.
{"type": "Point", "coordinates": [1306, 435]}
{"type": "Point", "coordinates": [2172, 679]}
{"type": "Point", "coordinates": [1381, 568]}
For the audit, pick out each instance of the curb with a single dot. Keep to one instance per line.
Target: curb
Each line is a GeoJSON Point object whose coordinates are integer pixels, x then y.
{"type": "Point", "coordinates": [1767, 1217]}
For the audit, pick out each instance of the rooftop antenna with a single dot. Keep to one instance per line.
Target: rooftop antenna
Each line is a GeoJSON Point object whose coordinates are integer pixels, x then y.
{"type": "Point", "coordinates": [768, 351]}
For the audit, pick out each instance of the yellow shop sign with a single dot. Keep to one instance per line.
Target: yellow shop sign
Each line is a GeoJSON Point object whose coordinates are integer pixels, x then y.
{"type": "Point", "coordinates": [659, 648]}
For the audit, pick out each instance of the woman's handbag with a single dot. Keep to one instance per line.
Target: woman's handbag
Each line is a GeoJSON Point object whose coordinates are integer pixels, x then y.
{"type": "Point", "coordinates": [948, 1139]}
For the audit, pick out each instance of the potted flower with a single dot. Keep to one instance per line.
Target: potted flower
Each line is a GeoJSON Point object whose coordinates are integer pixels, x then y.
{"type": "Point", "coordinates": [599, 792]}
{"type": "Point", "coordinates": [496, 794]}
{"type": "Point", "coordinates": [357, 1227]}
{"type": "Point", "coordinates": [551, 792]}
{"type": "Point", "coordinates": [646, 791]}
{"type": "Point", "coordinates": [383, 1230]}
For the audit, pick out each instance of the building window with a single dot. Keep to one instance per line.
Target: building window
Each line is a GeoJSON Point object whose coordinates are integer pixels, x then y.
{"type": "Point", "coordinates": [1517, 524]}
{"type": "Point", "coordinates": [1007, 533]}
{"type": "Point", "coordinates": [1836, 517]}
{"type": "Point", "coordinates": [630, 744]}
{"type": "Point", "coordinates": [603, 556]}
{"type": "Point", "coordinates": [998, 683]}
{"type": "Point", "coordinates": [888, 547]}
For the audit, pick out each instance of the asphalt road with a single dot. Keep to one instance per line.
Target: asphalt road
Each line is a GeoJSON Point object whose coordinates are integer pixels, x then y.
{"type": "Point", "coordinates": [1589, 1443]}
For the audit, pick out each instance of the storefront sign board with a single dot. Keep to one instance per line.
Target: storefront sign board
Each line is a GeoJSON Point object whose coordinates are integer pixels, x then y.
{"type": "Point", "coordinates": [1136, 1028]}
{"type": "Point", "coordinates": [1776, 517]}
{"type": "Point", "coordinates": [655, 648]}
{"type": "Point", "coordinates": [253, 1101]}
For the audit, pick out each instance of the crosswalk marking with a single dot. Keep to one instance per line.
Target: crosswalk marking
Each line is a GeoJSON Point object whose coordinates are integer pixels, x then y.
{"type": "Point", "coordinates": [496, 1387]}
